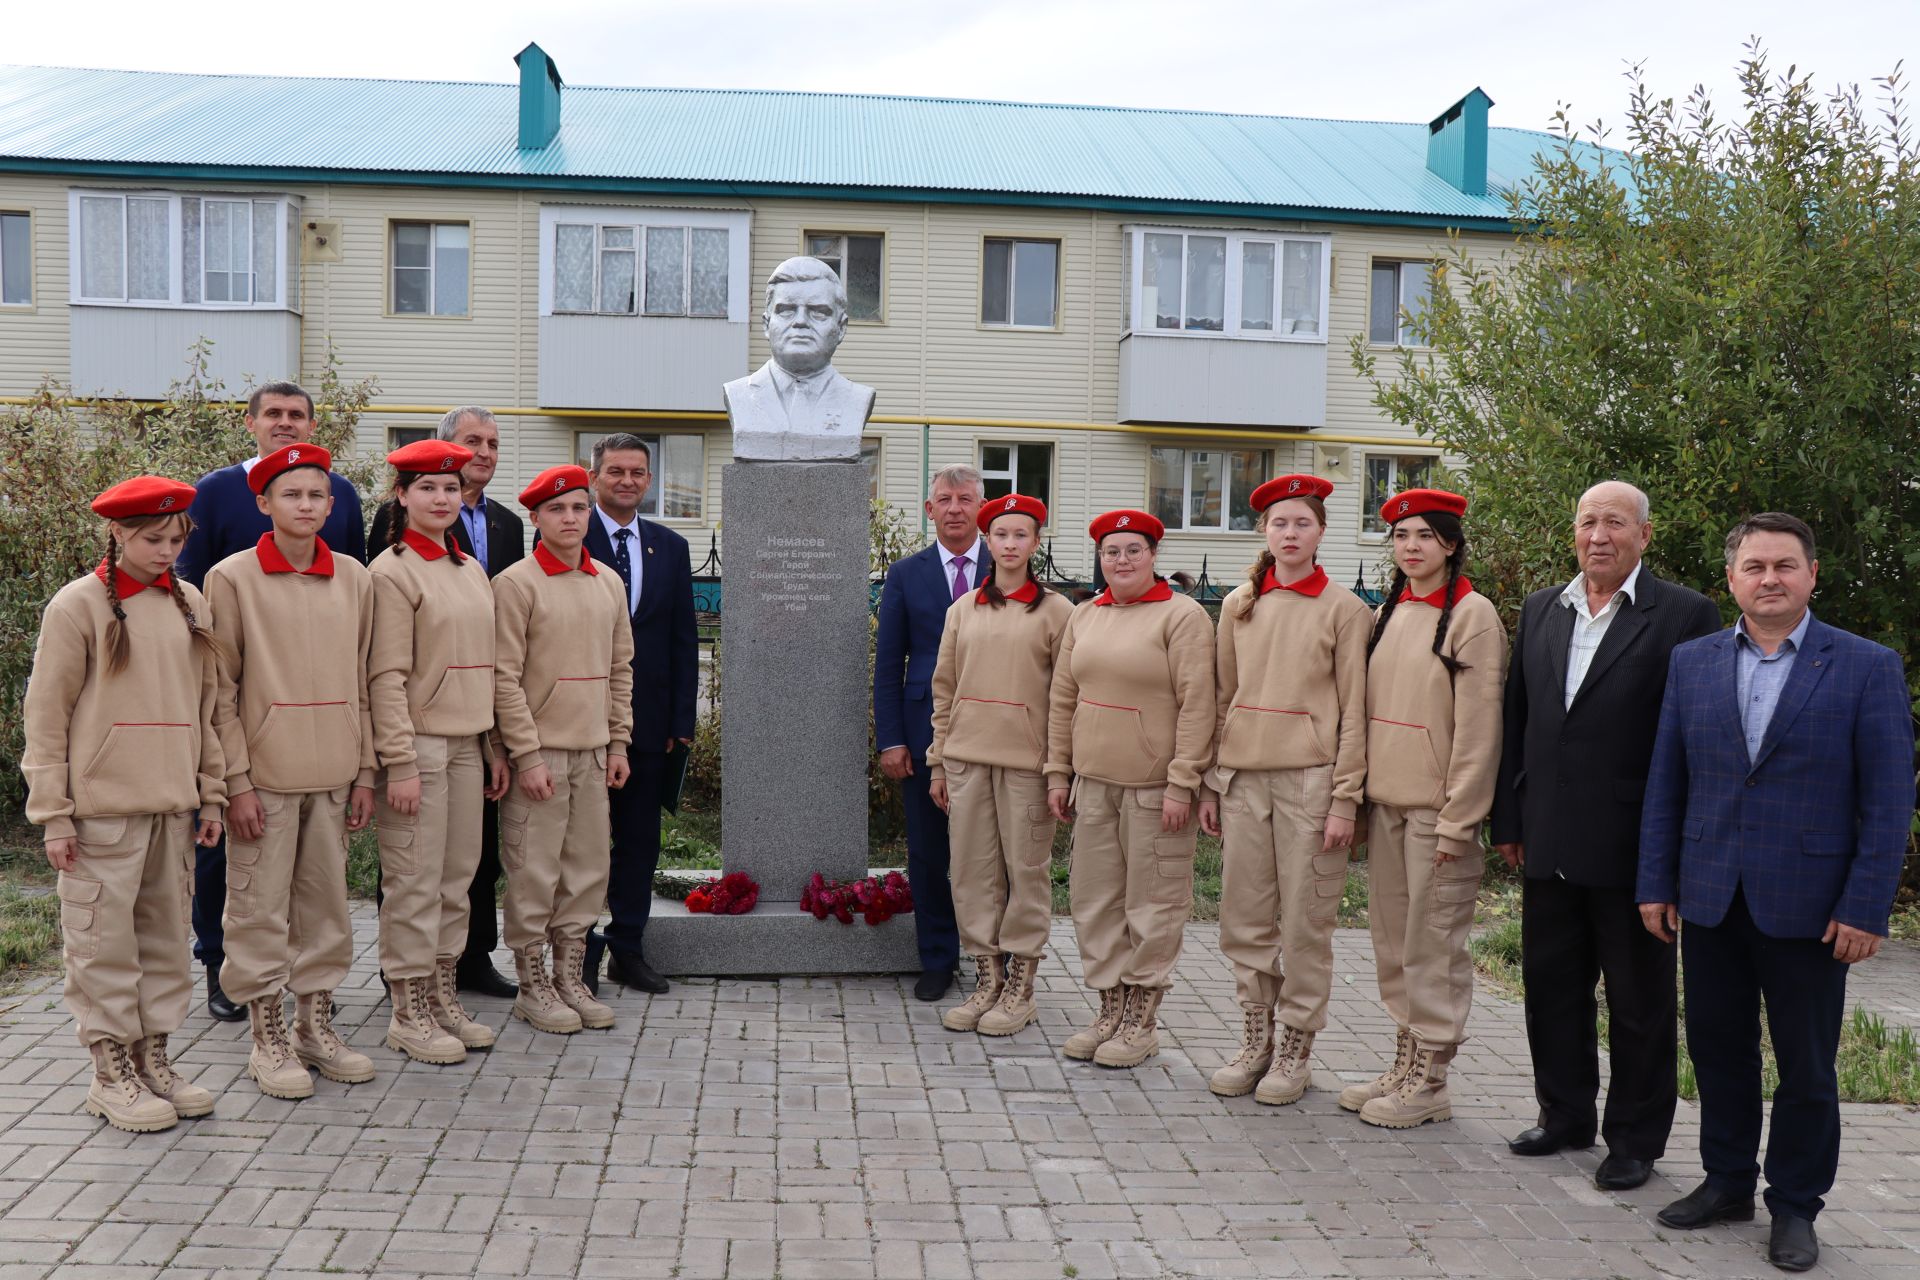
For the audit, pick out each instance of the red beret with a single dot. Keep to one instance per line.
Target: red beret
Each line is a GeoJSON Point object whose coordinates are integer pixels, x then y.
{"type": "Point", "coordinates": [1127, 521]}
{"type": "Point", "coordinates": [1420, 502]}
{"type": "Point", "coordinates": [283, 460]}
{"type": "Point", "coordinates": [1282, 487]}
{"type": "Point", "coordinates": [430, 455]}
{"type": "Point", "coordinates": [1016, 504]}
{"type": "Point", "coordinates": [144, 496]}
{"type": "Point", "coordinates": [553, 482]}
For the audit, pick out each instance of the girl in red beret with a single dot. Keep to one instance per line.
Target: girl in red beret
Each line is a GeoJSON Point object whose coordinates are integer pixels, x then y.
{"type": "Point", "coordinates": [990, 687]}
{"type": "Point", "coordinates": [1435, 671]}
{"type": "Point", "coordinates": [1292, 763]}
{"type": "Point", "coordinates": [1129, 732]}
{"type": "Point", "coordinates": [430, 682]}
{"type": "Point", "coordinates": [122, 765]}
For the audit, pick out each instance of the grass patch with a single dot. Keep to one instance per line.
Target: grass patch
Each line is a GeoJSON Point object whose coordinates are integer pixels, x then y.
{"type": "Point", "coordinates": [1496, 954]}
{"type": "Point", "coordinates": [29, 933]}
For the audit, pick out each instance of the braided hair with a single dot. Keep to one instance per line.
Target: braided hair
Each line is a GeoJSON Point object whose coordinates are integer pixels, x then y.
{"type": "Point", "coordinates": [1446, 527]}
{"type": "Point", "coordinates": [404, 480]}
{"type": "Point", "coordinates": [1257, 574]}
{"type": "Point", "coordinates": [117, 644]}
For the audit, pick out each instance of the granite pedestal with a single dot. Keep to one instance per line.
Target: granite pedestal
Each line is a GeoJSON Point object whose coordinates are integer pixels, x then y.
{"type": "Point", "coordinates": [794, 697]}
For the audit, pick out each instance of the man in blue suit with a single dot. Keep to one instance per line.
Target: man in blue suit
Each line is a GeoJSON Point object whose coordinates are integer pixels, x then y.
{"type": "Point", "coordinates": [1777, 811]}
{"type": "Point", "coordinates": [913, 612]}
{"type": "Point", "coordinates": [227, 518]}
{"type": "Point", "coordinates": [654, 563]}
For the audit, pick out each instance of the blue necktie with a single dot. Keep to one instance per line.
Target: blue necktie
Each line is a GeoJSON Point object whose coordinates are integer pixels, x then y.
{"type": "Point", "coordinates": [623, 562]}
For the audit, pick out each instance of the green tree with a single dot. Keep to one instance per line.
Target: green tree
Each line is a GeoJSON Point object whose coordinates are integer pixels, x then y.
{"type": "Point", "coordinates": [1725, 314]}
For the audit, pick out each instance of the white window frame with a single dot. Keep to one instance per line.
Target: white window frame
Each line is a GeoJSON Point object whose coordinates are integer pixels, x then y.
{"type": "Point", "coordinates": [27, 303]}
{"type": "Point", "coordinates": [1237, 240]}
{"type": "Point", "coordinates": [806, 237]}
{"type": "Point", "coordinates": [1012, 476]}
{"type": "Point", "coordinates": [1402, 336]}
{"type": "Point", "coordinates": [286, 250]}
{"type": "Point", "coordinates": [736, 223]}
{"type": "Point", "coordinates": [1370, 512]}
{"type": "Point", "coordinates": [583, 442]}
{"type": "Point", "coordinates": [432, 268]}
{"type": "Point", "coordinates": [1186, 483]}
{"type": "Point", "coordinates": [1013, 259]}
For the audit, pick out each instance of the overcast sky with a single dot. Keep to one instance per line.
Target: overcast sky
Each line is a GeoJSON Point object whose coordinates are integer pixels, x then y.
{"type": "Point", "coordinates": [1383, 60]}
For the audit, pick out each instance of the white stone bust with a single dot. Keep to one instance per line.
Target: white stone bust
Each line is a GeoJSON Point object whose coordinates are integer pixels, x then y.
{"type": "Point", "coordinates": [796, 407]}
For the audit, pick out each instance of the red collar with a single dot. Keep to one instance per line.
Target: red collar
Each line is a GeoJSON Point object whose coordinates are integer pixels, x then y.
{"type": "Point", "coordinates": [1159, 591]}
{"type": "Point", "coordinates": [1311, 585]}
{"type": "Point", "coordinates": [1437, 596]}
{"type": "Point", "coordinates": [271, 561]}
{"type": "Point", "coordinates": [1024, 595]}
{"type": "Point", "coordinates": [429, 549]}
{"type": "Point", "coordinates": [551, 563]}
{"type": "Point", "coordinates": [125, 584]}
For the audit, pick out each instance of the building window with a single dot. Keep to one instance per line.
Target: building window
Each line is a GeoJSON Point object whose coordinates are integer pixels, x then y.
{"type": "Point", "coordinates": [400, 437]}
{"type": "Point", "coordinates": [1018, 468]}
{"type": "Point", "coordinates": [856, 260]}
{"type": "Point", "coordinates": [1020, 283]}
{"type": "Point", "coordinates": [1233, 284]}
{"type": "Point", "coordinates": [679, 487]}
{"type": "Point", "coordinates": [125, 246]}
{"type": "Point", "coordinates": [1205, 490]}
{"type": "Point", "coordinates": [431, 263]}
{"type": "Point", "coordinates": [16, 259]}
{"type": "Point", "coordinates": [616, 269]}
{"type": "Point", "coordinates": [171, 250]}
{"type": "Point", "coordinates": [870, 459]}
{"type": "Point", "coordinates": [1387, 474]}
{"type": "Point", "coordinates": [1400, 293]}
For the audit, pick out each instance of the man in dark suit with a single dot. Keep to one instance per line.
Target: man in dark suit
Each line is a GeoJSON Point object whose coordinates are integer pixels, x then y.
{"type": "Point", "coordinates": [1778, 805]}
{"type": "Point", "coordinates": [227, 518]}
{"type": "Point", "coordinates": [655, 564]}
{"type": "Point", "coordinates": [495, 536]}
{"type": "Point", "coordinates": [1582, 705]}
{"type": "Point", "coordinates": [913, 612]}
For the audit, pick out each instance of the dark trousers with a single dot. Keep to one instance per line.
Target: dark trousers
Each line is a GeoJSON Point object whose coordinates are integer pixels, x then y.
{"type": "Point", "coordinates": [1730, 968]}
{"type": "Point", "coordinates": [928, 860]}
{"type": "Point", "coordinates": [635, 813]}
{"type": "Point", "coordinates": [483, 922]}
{"type": "Point", "coordinates": [1572, 936]}
{"type": "Point", "coordinates": [209, 904]}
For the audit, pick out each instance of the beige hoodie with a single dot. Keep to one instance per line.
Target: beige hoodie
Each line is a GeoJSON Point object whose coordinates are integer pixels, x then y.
{"type": "Point", "coordinates": [991, 683]}
{"type": "Point", "coordinates": [431, 668]}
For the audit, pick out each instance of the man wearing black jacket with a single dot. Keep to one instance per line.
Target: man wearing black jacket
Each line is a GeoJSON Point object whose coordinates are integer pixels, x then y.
{"type": "Point", "coordinates": [1582, 708]}
{"type": "Point", "coordinates": [495, 536]}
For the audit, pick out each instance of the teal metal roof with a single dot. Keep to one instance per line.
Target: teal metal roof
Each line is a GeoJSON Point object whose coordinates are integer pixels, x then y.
{"type": "Point", "coordinates": [742, 142]}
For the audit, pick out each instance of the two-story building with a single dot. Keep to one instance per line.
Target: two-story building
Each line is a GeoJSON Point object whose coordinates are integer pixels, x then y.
{"type": "Point", "coordinates": [1105, 307]}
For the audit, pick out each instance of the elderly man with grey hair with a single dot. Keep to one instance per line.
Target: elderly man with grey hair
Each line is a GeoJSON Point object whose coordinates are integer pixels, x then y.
{"type": "Point", "coordinates": [496, 537]}
{"type": "Point", "coordinates": [1582, 710]}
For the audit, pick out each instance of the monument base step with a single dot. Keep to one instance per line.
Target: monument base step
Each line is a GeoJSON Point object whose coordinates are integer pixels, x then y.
{"type": "Point", "coordinates": [775, 939]}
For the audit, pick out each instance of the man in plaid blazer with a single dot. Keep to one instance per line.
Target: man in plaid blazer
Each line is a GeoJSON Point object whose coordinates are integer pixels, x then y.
{"type": "Point", "coordinates": [1778, 805]}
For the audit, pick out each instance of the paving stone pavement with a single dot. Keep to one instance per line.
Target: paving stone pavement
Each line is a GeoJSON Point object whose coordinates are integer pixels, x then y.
{"type": "Point", "coordinates": [833, 1128]}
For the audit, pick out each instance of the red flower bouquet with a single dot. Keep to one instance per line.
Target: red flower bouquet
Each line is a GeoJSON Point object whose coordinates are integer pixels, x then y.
{"type": "Point", "coordinates": [877, 899]}
{"type": "Point", "coordinates": [733, 894]}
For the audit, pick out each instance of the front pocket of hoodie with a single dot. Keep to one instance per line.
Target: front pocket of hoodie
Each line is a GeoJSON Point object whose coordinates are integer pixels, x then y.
{"type": "Point", "coordinates": [120, 777]}
{"type": "Point", "coordinates": [1402, 767]}
{"type": "Point", "coordinates": [463, 696]}
{"type": "Point", "coordinates": [1110, 742]}
{"type": "Point", "coordinates": [1270, 738]}
{"type": "Point", "coordinates": [576, 703]}
{"type": "Point", "coordinates": [993, 727]}
{"type": "Point", "coordinates": [301, 746]}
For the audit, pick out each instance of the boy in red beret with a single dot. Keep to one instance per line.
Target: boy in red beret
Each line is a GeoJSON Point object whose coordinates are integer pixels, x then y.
{"type": "Point", "coordinates": [563, 702]}
{"type": "Point", "coordinates": [121, 755]}
{"type": "Point", "coordinates": [297, 734]}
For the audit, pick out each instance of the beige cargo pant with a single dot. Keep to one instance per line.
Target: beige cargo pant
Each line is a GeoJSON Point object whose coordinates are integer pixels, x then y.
{"type": "Point", "coordinates": [1130, 885]}
{"type": "Point", "coordinates": [1279, 894]}
{"type": "Point", "coordinates": [1420, 917]}
{"type": "Point", "coordinates": [427, 861]}
{"type": "Point", "coordinates": [1002, 836]}
{"type": "Point", "coordinates": [556, 851]}
{"type": "Point", "coordinates": [124, 915]}
{"type": "Point", "coordinates": [286, 919]}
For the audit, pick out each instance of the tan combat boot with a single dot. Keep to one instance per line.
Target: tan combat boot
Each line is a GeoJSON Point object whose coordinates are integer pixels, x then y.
{"type": "Point", "coordinates": [317, 1044]}
{"type": "Point", "coordinates": [1139, 1035]}
{"type": "Point", "coordinates": [1356, 1096]}
{"type": "Point", "coordinates": [117, 1096]}
{"type": "Point", "coordinates": [1256, 1054]}
{"type": "Point", "coordinates": [569, 966]}
{"type": "Point", "coordinates": [412, 1029]}
{"type": "Point", "coordinates": [1084, 1044]}
{"type": "Point", "coordinates": [1015, 1008]}
{"type": "Point", "coordinates": [162, 1081]}
{"type": "Point", "coordinates": [449, 1014]}
{"type": "Point", "coordinates": [538, 1004]}
{"type": "Point", "coordinates": [1421, 1097]}
{"type": "Point", "coordinates": [1287, 1079]}
{"type": "Point", "coordinates": [989, 978]}
{"type": "Point", "coordinates": [272, 1064]}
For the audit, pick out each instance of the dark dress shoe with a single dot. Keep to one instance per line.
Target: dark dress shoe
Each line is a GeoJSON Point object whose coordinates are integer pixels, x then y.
{"type": "Point", "coordinates": [222, 1009]}
{"type": "Point", "coordinates": [629, 969]}
{"type": "Point", "coordinates": [590, 966]}
{"type": "Point", "coordinates": [1622, 1173]}
{"type": "Point", "coordinates": [1707, 1204]}
{"type": "Point", "coordinates": [933, 984]}
{"type": "Point", "coordinates": [1793, 1246]}
{"type": "Point", "coordinates": [1544, 1142]}
{"type": "Point", "coordinates": [477, 974]}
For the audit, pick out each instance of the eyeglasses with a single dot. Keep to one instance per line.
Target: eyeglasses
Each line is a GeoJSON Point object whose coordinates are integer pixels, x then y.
{"type": "Point", "coordinates": [1114, 555]}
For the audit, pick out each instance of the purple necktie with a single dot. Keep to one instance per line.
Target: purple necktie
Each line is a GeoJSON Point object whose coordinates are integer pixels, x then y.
{"type": "Point", "coordinates": [960, 575]}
